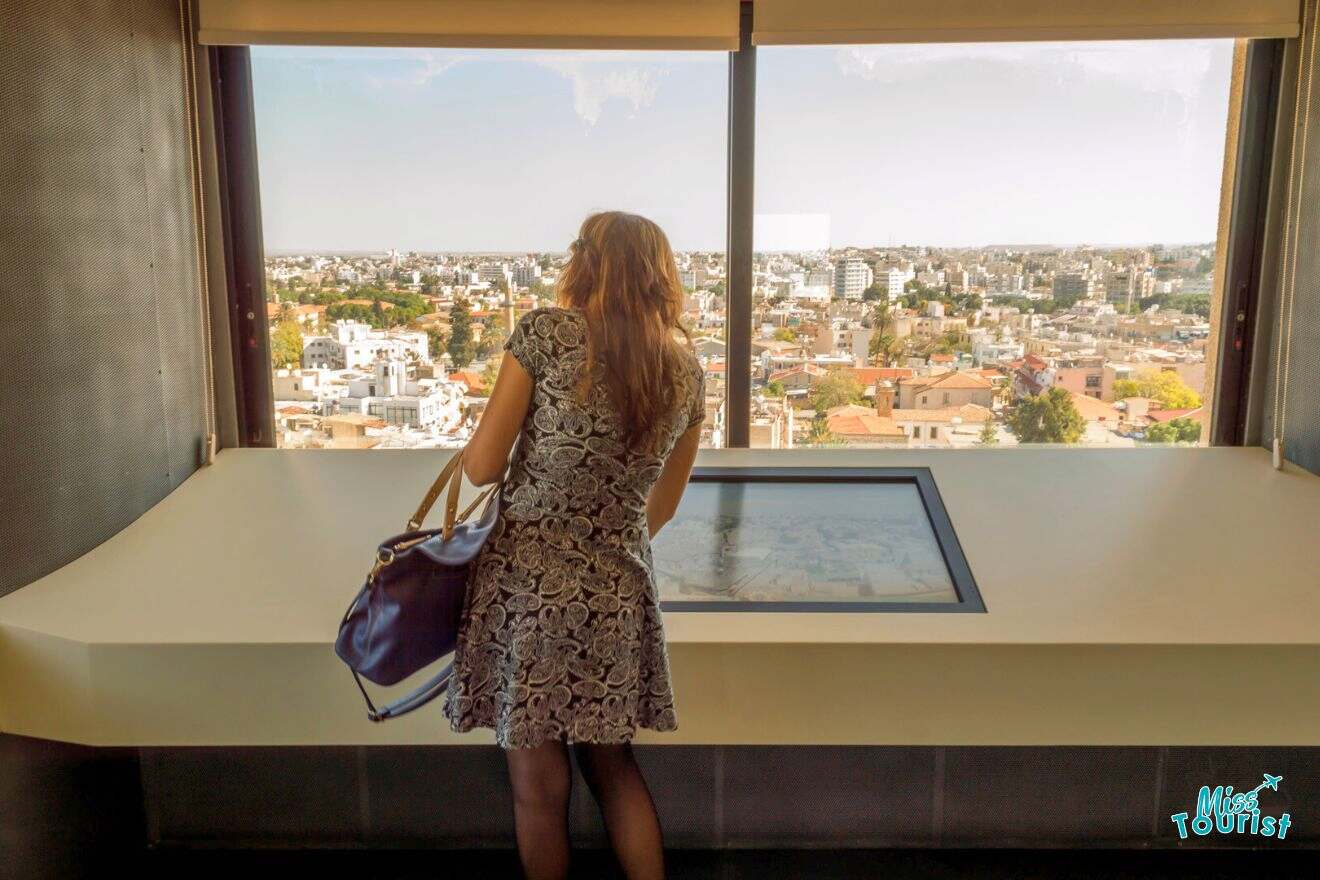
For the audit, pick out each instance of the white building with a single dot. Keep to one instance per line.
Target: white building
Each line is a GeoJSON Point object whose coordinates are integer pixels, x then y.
{"type": "Point", "coordinates": [989, 351]}
{"type": "Point", "coordinates": [525, 273]}
{"type": "Point", "coordinates": [388, 393]}
{"type": "Point", "coordinates": [892, 281]}
{"type": "Point", "coordinates": [851, 278]}
{"type": "Point", "coordinates": [355, 345]}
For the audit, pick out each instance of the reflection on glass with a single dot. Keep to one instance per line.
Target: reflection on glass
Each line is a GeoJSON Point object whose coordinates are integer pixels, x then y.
{"type": "Point", "coordinates": [817, 542]}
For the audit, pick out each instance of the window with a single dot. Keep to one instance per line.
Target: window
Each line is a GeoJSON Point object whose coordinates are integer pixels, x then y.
{"type": "Point", "coordinates": [413, 201]}
{"type": "Point", "coordinates": [1027, 229]}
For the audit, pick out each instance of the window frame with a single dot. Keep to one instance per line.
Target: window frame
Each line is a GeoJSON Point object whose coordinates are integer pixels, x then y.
{"type": "Point", "coordinates": [1240, 289]}
{"type": "Point", "coordinates": [921, 478]}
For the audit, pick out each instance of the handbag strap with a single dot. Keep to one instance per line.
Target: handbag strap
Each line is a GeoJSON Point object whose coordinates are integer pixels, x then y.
{"type": "Point", "coordinates": [450, 470]}
{"type": "Point", "coordinates": [452, 474]}
{"type": "Point", "coordinates": [437, 685]}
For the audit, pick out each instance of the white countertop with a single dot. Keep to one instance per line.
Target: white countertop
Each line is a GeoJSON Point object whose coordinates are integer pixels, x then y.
{"type": "Point", "coordinates": [1148, 596]}
{"type": "Point", "coordinates": [1148, 546]}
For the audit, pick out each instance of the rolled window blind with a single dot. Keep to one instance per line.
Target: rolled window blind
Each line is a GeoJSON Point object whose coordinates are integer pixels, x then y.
{"type": "Point", "coordinates": [792, 22]}
{"type": "Point", "coordinates": [555, 24]}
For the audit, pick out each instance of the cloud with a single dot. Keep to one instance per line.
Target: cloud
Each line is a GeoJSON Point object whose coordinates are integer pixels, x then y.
{"type": "Point", "coordinates": [597, 77]}
{"type": "Point", "coordinates": [1176, 71]}
{"type": "Point", "coordinates": [423, 66]}
{"type": "Point", "coordinates": [1170, 66]}
{"type": "Point", "coordinates": [594, 84]}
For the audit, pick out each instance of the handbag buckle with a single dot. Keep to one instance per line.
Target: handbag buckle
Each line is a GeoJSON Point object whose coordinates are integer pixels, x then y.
{"type": "Point", "coordinates": [384, 556]}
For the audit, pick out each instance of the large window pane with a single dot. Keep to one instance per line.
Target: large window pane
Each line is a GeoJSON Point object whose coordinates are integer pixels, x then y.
{"type": "Point", "coordinates": [414, 202]}
{"type": "Point", "coordinates": [967, 245]}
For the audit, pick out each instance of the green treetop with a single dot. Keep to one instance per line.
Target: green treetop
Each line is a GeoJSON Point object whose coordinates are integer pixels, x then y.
{"type": "Point", "coordinates": [1047, 418]}
{"type": "Point", "coordinates": [1165, 386]}
{"type": "Point", "coordinates": [461, 347]}
{"type": "Point", "coordinates": [836, 388]}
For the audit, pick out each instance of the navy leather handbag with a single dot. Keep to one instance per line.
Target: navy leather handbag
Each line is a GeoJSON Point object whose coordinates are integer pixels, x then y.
{"type": "Point", "coordinates": [406, 616]}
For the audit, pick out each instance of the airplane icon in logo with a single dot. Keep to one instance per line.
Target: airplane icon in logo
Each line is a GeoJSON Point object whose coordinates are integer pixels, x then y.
{"type": "Point", "coordinates": [1270, 782]}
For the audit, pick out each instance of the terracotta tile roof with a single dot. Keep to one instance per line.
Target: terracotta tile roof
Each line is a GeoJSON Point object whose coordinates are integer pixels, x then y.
{"type": "Point", "coordinates": [810, 369]}
{"type": "Point", "coordinates": [968, 412]}
{"type": "Point", "coordinates": [1095, 410]}
{"type": "Point", "coordinates": [871, 375]}
{"type": "Point", "coordinates": [1196, 414]}
{"type": "Point", "coordinates": [470, 379]}
{"type": "Point", "coordinates": [953, 380]}
{"type": "Point", "coordinates": [853, 420]}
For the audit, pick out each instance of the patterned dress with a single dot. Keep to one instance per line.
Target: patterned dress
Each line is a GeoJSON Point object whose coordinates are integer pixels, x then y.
{"type": "Point", "coordinates": [561, 635]}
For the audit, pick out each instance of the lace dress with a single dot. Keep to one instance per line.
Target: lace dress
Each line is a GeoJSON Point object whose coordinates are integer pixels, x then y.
{"type": "Point", "coordinates": [561, 635]}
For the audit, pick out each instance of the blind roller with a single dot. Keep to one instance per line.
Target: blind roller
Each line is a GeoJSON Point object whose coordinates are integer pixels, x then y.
{"type": "Point", "coordinates": [533, 24]}
{"type": "Point", "coordinates": [792, 22]}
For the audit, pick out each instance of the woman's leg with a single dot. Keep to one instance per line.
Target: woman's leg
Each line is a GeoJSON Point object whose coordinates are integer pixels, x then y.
{"type": "Point", "coordinates": [542, 780]}
{"type": "Point", "coordinates": [625, 802]}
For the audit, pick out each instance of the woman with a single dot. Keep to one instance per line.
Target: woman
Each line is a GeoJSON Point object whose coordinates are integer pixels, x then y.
{"type": "Point", "coordinates": [561, 640]}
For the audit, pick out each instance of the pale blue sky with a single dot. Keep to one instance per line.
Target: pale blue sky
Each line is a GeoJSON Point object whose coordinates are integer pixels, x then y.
{"type": "Point", "coordinates": [1106, 143]}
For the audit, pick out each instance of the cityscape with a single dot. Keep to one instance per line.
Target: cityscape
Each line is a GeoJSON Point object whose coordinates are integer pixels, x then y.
{"type": "Point", "coordinates": [858, 347]}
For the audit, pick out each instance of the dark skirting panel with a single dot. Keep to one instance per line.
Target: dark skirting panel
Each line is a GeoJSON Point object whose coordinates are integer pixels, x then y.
{"type": "Point", "coordinates": [70, 810]}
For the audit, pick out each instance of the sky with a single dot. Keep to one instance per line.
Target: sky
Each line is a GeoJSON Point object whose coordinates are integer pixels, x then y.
{"type": "Point", "coordinates": [953, 145]}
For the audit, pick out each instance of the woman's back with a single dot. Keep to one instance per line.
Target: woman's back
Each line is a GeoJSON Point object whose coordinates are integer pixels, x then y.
{"type": "Point", "coordinates": [571, 470]}
{"type": "Point", "coordinates": [562, 635]}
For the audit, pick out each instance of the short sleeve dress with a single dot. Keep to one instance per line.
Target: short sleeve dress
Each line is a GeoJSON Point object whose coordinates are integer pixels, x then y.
{"type": "Point", "coordinates": [561, 635]}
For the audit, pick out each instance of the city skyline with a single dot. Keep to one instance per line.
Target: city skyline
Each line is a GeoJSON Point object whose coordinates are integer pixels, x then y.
{"type": "Point", "coordinates": [1108, 144]}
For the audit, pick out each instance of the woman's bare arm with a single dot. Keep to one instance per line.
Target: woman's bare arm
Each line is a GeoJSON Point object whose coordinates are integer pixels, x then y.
{"type": "Point", "coordinates": [668, 489]}
{"type": "Point", "coordinates": [487, 453]}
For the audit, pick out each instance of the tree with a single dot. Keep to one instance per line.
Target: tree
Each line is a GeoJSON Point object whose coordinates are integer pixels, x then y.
{"type": "Point", "coordinates": [836, 389]}
{"type": "Point", "coordinates": [883, 348]}
{"type": "Point", "coordinates": [492, 339]}
{"type": "Point", "coordinates": [1165, 386]}
{"type": "Point", "coordinates": [1180, 430]}
{"type": "Point", "coordinates": [774, 388]}
{"type": "Point", "coordinates": [988, 435]}
{"type": "Point", "coordinates": [820, 433]}
{"type": "Point", "coordinates": [783, 334]}
{"type": "Point", "coordinates": [875, 292]}
{"type": "Point", "coordinates": [435, 342]}
{"type": "Point", "coordinates": [286, 345]}
{"type": "Point", "coordinates": [1047, 418]}
{"type": "Point", "coordinates": [489, 375]}
{"type": "Point", "coordinates": [346, 311]}
{"type": "Point", "coordinates": [460, 347]}
{"type": "Point", "coordinates": [882, 319]}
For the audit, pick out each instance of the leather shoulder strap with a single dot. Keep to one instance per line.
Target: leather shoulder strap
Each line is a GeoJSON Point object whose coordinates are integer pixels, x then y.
{"type": "Point", "coordinates": [451, 469]}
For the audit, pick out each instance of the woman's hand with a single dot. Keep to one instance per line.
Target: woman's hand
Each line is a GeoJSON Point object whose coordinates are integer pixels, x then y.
{"type": "Point", "coordinates": [668, 488]}
{"type": "Point", "coordinates": [487, 453]}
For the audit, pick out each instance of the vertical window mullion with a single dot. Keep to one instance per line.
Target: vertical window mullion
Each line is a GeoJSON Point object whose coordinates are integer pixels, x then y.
{"type": "Point", "coordinates": [738, 299]}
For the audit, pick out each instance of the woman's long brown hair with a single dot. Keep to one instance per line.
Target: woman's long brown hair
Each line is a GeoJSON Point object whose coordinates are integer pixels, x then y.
{"type": "Point", "coordinates": [622, 275]}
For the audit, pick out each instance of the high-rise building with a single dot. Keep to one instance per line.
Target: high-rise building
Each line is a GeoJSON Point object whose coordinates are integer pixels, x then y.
{"type": "Point", "coordinates": [892, 280]}
{"type": "Point", "coordinates": [1069, 287]}
{"type": "Point", "coordinates": [851, 278]}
